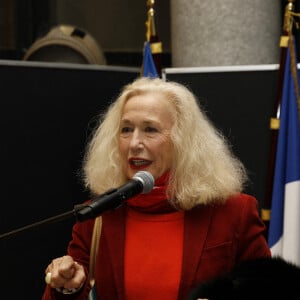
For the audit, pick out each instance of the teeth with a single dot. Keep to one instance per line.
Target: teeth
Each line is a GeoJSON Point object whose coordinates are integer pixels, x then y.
{"type": "Point", "coordinates": [139, 162]}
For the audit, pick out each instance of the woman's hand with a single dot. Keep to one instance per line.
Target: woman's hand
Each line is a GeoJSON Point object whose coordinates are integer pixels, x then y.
{"type": "Point", "coordinates": [65, 273]}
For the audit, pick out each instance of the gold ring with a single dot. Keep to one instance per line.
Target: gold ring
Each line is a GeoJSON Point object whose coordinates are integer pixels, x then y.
{"type": "Point", "coordinates": [48, 278]}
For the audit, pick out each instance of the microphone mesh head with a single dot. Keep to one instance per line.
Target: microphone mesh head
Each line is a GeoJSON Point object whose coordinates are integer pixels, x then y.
{"type": "Point", "coordinates": [146, 179]}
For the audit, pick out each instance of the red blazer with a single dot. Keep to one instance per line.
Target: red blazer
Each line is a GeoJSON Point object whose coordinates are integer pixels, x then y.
{"type": "Point", "coordinates": [216, 238]}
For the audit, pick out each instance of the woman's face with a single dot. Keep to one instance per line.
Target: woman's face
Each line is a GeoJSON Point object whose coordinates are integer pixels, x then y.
{"type": "Point", "coordinates": [144, 140]}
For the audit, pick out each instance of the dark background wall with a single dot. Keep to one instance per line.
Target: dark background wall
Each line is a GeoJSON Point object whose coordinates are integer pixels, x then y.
{"type": "Point", "coordinates": [46, 116]}
{"type": "Point", "coordinates": [47, 113]}
{"type": "Point", "coordinates": [241, 107]}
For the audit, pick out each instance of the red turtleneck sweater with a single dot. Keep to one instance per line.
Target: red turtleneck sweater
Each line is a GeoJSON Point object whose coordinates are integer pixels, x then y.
{"type": "Point", "coordinates": [153, 255]}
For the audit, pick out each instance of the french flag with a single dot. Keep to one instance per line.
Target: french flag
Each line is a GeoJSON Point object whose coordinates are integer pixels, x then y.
{"type": "Point", "coordinates": [284, 230]}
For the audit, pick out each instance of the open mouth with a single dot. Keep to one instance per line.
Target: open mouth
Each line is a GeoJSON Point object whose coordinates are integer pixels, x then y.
{"type": "Point", "coordinates": [138, 163]}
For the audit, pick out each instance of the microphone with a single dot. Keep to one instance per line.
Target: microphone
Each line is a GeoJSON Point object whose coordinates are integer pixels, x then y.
{"type": "Point", "coordinates": [141, 182]}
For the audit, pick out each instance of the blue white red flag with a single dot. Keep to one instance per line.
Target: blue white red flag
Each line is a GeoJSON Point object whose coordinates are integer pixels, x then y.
{"type": "Point", "coordinates": [284, 230]}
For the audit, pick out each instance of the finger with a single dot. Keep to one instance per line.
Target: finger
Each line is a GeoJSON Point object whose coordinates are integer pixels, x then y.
{"type": "Point", "coordinates": [78, 278]}
{"type": "Point", "coordinates": [49, 268]}
{"type": "Point", "coordinates": [59, 271]}
{"type": "Point", "coordinates": [63, 267]}
{"type": "Point", "coordinates": [48, 277]}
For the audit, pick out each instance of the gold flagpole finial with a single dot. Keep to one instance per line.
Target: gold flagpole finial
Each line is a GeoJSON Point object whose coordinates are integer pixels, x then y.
{"type": "Point", "coordinates": [288, 18]}
{"type": "Point", "coordinates": [150, 24]}
{"type": "Point", "coordinates": [287, 24]}
{"type": "Point", "coordinates": [151, 35]}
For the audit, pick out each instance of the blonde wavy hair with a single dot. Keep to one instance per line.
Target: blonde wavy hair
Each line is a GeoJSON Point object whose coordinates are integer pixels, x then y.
{"type": "Point", "coordinates": [204, 170]}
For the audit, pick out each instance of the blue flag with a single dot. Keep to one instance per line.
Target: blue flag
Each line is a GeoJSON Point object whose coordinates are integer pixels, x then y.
{"type": "Point", "coordinates": [284, 230]}
{"type": "Point", "coordinates": [149, 69]}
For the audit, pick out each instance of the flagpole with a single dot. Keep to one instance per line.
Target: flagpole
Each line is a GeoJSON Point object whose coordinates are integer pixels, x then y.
{"type": "Point", "coordinates": [152, 37]}
{"type": "Point", "coordinates": [275, 119]}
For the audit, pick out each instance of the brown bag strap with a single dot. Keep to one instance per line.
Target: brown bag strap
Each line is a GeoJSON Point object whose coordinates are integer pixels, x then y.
{"type": "Point", "coordinates": [94, 247]}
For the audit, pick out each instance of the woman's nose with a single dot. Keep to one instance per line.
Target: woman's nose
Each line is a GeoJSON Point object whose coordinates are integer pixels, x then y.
{"type": "Point", "coordinates": [136, 140]}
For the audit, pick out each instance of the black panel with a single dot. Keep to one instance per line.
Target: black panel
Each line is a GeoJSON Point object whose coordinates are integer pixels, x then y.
{"type": "Point", "coordinates": [46, 115]}
{"type": "Point", "coordinates": [240, 103]}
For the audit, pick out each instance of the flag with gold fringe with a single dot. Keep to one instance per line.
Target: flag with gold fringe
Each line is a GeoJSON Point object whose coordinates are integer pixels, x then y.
{"type": "Point", "coordinates": [284, 230]}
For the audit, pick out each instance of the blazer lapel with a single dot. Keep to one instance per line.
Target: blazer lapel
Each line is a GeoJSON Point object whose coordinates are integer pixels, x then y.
{"type": "Point", "coordinates": [196, 224]}
{"type": "Point", "coordinates": [114, 225]}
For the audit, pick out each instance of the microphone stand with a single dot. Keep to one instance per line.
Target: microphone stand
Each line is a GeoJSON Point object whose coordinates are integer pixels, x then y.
{"type": "Point", "coordinates": [54, 219]}
{"type": "Point", "coordinates": [111, 199]}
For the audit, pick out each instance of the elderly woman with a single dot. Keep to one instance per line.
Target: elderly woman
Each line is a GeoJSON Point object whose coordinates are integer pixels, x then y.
{"type": "Point", "coordinates": [194, 225]}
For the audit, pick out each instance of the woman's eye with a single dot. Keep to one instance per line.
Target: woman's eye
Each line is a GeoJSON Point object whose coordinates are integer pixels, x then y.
{"type": "Point", "coordinates": [126, 129]}
{"type": "Point", "coordinates": [151, 129]}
